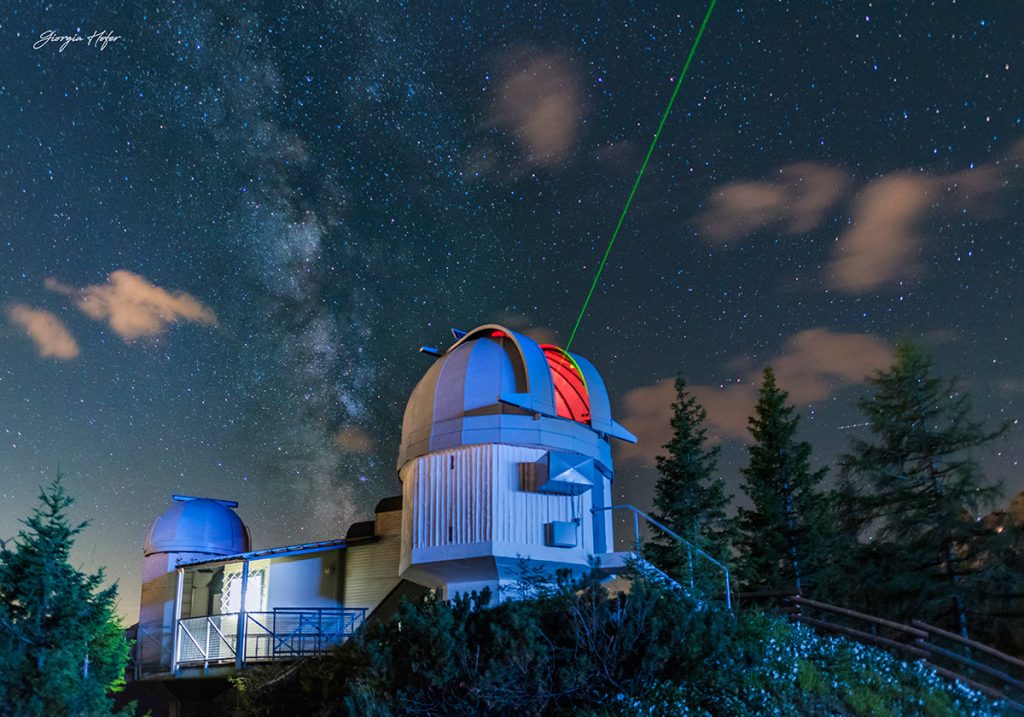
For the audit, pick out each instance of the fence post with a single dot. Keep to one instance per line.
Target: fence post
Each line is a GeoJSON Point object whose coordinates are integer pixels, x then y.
{"type": "Point", "coordinates": [689, 564]}
{"type": "Point", "coordinates": [728, 591]}
{"type": "Point", "coordinates": [175, 625]}
{"type": "Point", "coordinates": [240, 628]}
{"type": "Point", "coordinates": [636, 532]}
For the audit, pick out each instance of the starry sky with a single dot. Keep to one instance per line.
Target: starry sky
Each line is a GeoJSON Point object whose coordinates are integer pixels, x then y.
{"type": "Point", "coordinates": [227, 228]}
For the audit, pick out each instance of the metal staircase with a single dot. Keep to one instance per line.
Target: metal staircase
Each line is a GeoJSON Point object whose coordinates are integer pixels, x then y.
{"type": "Point", "coordinates": [635, 560]}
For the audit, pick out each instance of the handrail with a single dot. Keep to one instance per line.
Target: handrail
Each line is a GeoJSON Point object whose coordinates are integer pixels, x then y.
{"type": "Point", "coordinates": [972, 644]}
{"type": "Point", "coordinates": [825, 607]}
{"type": "Point", "coordinates": [190, 637]}
{"type": "Point", "coordinates": [918, 645]}
{"type": "Point", "coordinates": [227, 642]}
{"type": "Point", "coordinates": [973, 664]}
{"type": "Point", "coordinates": [690, 547]}
{"type": "Point", "coordinates": [862, 636]}
{"type": "Point", "coordinates": [304, 631]}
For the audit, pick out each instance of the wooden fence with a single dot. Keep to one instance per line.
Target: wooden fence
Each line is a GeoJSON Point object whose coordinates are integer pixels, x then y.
{"type": "Point", "coordinates": [978, 666]}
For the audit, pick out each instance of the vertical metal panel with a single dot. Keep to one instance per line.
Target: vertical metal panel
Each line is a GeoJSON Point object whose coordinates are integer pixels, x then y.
{"type": "Point", "coordinates": [475, 494]}
{"type": "Point", "coordinates": [410, 503]}
{"type": "Point", "coordinates": [451, 497]}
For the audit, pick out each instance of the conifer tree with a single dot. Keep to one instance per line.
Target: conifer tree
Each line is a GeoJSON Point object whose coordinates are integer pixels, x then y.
{"type": "Point", "coordinates": [62, 651]}
{"type": "Point", "coordinates": [915, 490]}
{"type": "Point", "coordinates": [689, 499]}
{"type": "Point", "coordinates": [779, 535]}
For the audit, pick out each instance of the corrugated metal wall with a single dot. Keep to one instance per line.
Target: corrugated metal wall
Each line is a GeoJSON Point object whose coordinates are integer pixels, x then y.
{"type": "Point", "coordinates": [474, 494]}
{"type": "Point", "coordinates": [453, 499]}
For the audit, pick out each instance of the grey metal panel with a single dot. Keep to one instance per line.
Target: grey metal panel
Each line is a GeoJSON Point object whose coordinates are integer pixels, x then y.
{"type": "Point", "coordinates": [488, 374]}
{"type": "Point", "coordinates": [597, 395]}
{"type": "Point", "coordinates": [541, 387]}
{"type": "Point", "coordinates": [560, 534]}
{"type": "Point", "coordinates": [419, 415]}
{"type": "Point", "coordinates": [448, 392]}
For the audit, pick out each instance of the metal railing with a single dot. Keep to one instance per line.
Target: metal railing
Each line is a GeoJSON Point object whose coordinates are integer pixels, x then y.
{"type": "Point", "coordinates": [152, 651]}
{"type": "Point", "coordinates": [691, 549]}
{"type": "Point", "coordinates": [281, 634]}
{"type": "Point", "coordinates": [980, 667]}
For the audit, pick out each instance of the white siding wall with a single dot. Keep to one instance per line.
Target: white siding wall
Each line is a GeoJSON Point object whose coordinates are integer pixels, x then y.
{"type": "Point", "coordinates": [453, 496]}
{"type": "Point", "coordinates": [371, 570]}
{"type": "Point", "coordinates": [473, 495]}
{"type": "Point", "coordinates": [302, 581]}
{"type": "Point", "coordinates": [520, 515]}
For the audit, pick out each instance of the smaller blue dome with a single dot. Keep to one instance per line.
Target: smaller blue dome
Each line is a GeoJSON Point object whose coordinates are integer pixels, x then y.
{"type": "Point", "coordinates": [198, 525]}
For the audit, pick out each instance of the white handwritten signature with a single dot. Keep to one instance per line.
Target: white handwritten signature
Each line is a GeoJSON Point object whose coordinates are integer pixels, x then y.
{"type": "Point", "coordinates": [100, 39]}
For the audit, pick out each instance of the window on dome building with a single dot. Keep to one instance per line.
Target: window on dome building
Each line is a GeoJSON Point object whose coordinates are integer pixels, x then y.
{"type": "Point", "coordinates": [231, 599]}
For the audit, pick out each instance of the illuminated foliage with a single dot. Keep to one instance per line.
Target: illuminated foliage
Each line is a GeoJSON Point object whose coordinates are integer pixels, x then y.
{"type": "Point", "coordinates": [62, 651]}
{"type": "Point", "coordinates": [576, 650]}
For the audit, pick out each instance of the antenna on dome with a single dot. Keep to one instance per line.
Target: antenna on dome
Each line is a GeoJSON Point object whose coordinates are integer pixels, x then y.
{"type": "Point", "coordinates": [186, 498]}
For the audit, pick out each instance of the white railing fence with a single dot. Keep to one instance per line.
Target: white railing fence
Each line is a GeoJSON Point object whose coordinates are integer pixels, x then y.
{"type": "Point", "coordinates": [282, 634]}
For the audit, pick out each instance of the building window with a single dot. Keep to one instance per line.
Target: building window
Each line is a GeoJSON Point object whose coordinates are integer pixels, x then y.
{"type": "Point", "coordinates": [231, 600]}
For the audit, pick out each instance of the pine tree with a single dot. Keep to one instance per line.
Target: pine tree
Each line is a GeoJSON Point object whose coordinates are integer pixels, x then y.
{"type": "Point", "coordinates": [779, 536]}
{"type": "Point", "coordinates": [915, 490]}
{"type": "Point", "coordinates": [62, 651]}
{"type": "Point", "coordinates": [689, 499]}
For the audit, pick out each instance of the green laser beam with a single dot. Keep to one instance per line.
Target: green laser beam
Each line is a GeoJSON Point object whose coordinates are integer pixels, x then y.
{"type": "Point", "coordinates": [629, 201]}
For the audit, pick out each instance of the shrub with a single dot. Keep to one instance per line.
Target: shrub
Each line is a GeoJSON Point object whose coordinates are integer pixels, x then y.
{"type": "Point", "coordinates": [573, 649]}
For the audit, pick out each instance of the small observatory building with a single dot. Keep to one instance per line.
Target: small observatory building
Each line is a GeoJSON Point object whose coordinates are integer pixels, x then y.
{"type": "Point", "coordinates": [505, 465]}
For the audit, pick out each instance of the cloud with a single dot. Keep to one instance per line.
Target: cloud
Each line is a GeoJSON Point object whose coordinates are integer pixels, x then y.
{"type": "Point", "coordinates": [814, 365]}
{"type": "Point", "coordinates": [541, 104]}
{"type": "Point", "coordinates": [524, 324]}
{"type": "Point", "coordinates": [884, 242]}
{"type": "Point", "coordinates": [353, 439]}
{"type": "Point", "coordinates": [881, 245]}
{"type": "Point", "coordinates": [133, 307]}
{"type": "Point", "coordinates": [51, 337]}
{"type": "Point", "coordinates": [818, 361]}
{"type": "Point", "coordinates": [796, 202]}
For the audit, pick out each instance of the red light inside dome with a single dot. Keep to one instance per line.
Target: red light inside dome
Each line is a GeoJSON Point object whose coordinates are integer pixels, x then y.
{"type": "Point", "coordinates": [571, 399]}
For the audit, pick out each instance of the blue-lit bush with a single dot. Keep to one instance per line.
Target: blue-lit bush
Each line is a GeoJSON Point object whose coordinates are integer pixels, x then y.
{"type": "Point", "coordinates": [573, 649]}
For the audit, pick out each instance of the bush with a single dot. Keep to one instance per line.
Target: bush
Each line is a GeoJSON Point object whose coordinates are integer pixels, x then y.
{"type": "Point", "coordinates": [573, 649]}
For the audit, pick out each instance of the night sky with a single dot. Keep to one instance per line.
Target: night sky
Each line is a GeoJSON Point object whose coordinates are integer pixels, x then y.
{"type": "Point", "coordinates": [226, 232]}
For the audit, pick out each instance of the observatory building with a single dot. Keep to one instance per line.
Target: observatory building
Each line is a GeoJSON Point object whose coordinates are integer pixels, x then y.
{"type": "Point", "coordinates": [505, 450]}
{"type": "Point", "coordinates": [505, 464]}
